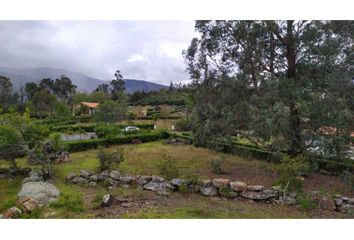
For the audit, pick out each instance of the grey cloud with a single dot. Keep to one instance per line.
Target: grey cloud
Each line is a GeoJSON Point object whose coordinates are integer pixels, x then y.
{"type": "Point", "coordinates": [149, 50]}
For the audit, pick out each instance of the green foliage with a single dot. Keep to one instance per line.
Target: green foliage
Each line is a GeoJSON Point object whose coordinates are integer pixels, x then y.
{"type": "Point", "coordinates": [109, 160]}
{"type": "Point", "coordinates": [167, 168]}
{"type": "Point", "coordinates": [289, 169]}
{"type": "Point", "coordinates": [111, 112]}
{"type": "Point", "coordinates": [183, 125]}
{"type": "Point", "coordinates": [11, 144]}
{"type": "Point", "coordinates": [34, 134]}
{"type": "Point", "coordinates": [76, 146]}
{"type": "Point", "coordinates": [305, 202]}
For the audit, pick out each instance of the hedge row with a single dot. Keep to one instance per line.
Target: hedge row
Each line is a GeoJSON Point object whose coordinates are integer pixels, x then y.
{"type": "Point", "coordinates": [99, 129]}
{"type": "Point", "coordinates": [77, 146]}
{"type": "Point", "coordinates": [65, 121]}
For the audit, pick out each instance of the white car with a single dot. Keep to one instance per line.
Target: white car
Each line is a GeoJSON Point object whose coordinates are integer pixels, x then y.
{"type": "Point", "coordinates": [130, 128]}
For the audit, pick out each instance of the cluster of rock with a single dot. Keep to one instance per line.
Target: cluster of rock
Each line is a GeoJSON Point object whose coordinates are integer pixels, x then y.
{"type": "Point", "coordinates": [157, 184]}
{"type": "Point", "coordinates": [34, 193]}
{"type": "Point", "coordinates": [177, 141]}
{"type": "Point", "coordinates": [344, 204]}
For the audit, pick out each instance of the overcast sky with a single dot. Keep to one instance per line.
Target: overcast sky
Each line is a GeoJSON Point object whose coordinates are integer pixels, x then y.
{"type": "Point", "coordinates": [147, 50]}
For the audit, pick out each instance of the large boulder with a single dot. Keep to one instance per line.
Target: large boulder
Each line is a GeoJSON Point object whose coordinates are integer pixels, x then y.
{"type": "Point", "coordinates": [178, 182]}
{"type": "Point", "coordinates": [238, 186]}
{"type": "Point", "coordinates": [35, 175]}
{"type": "Point", "coordinates": [41, 192]}
{"type": "Point", "coordinates": [151, 186]}
{"type": "Point", "coordinates": [221, 182]}
{"type": "Point", "coordinates": [142, 180]}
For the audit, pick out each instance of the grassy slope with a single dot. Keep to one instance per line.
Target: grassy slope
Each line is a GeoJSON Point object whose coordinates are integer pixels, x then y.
{"type": "Point", "coordinates": [80, 201]}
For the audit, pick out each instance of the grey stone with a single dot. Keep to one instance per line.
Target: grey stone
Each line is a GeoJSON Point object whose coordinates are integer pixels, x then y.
{"type": "Point", "coordinates": [35, 175]}
{"type": "Point", "coordinates": [179, 182]}
{"type": "Point", "coordinates": [103, 175]}
{"type": "Point", "coordinates": [255, 195]}
{"type": "Point", "coordinates": [127, 179]}
{"type": "Point", "coordinates": [221, 182]}
{"type": "Point", "coordinates": [151, 186]}
{"type": "Point", "coordinates": [210, 191]}
{"type": "Point", "coordinates": [255, 188]}
{"type": "Point", "coordinates": [80, 180]}
{"type": "Point", "coordinates": [164, 189]}
{"type": "Point", "coordinates": [287, 200]}
{"type": "Point", "coordinates": [141, 181]}
{"type": "Point", "coordinates": [42, 192]}
{"type": "Point", "coordinates": [115, 174]}
{"type": "Point", "coordinates": [238, 186]}
{"type": "Point", "coordinates": [157, 179]}
{"type": "Point", "coordinates": [270, 193]}
{"type": "Point", "coordinates": [345, 199]}
{"type": "Point", "coordinates": [338, 202]}
{"type": "Point", "coordinates": [351, 201]}
{"type": "Point", "coordinates": [293, 194]}
{"type": "Point", "coordinates": [71, 176]}
{"type": "Point", "coordinates": [93, 178]}
{"type": "Point", "coordinates": [85, 174]}
{"type": "Point", "coordinates": [107, 200]}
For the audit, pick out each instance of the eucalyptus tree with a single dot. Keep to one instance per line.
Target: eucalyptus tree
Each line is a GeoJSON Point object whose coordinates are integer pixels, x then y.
{"type": "Point", "coordinates": [278, 83]}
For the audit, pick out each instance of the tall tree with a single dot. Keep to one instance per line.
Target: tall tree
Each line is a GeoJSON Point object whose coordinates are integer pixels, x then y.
{"type": "Point", "coordinates": [5, 92]}
{"type": "Point", "coordinates": [30, 89]}
{"type": "Point", "coordinates": [267, 74]}
{"type": "Point", "coordinates": [118, 86]}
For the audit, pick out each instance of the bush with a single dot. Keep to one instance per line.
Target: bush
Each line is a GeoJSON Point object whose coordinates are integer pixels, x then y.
{"type": "Point", "coordinates": [216, 165]}
{"type": "Point", "coordinates": [76, 146]}
{"type": "Point", "coordinates": [289, 169]}
{"type": "Point", "coordinates": [108, 159]}
{"type": "Point", "coordinates": [183, 125]}
{"type": "Point", "coordinates": [305, 202]}
{"type": "Point", "coordinates": [167, 168]}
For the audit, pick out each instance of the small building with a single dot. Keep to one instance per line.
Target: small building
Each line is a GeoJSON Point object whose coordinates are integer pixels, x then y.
{"type": "Point", "coordinates": [86, 108]}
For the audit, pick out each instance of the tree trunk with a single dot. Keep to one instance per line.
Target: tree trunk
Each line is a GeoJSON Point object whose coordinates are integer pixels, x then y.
{"type": "Point", "coordinates": [294, 120]}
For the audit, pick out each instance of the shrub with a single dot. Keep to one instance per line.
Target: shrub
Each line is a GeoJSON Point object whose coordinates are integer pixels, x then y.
{"type": "Point", "coordinates": [11, 144]}
{"type": "Point", "coordinates": [167, 168]}
{"type": "Point", "coordinates": [305, 202]}
{"type": "Point", "coordinates": [216, 165]}
{"type": "Point", "coordinates": [108, 159]}
{"type": "Point", "coordinates": [289, 169]}
{"type": "Point", "coordinates": [183, 125]}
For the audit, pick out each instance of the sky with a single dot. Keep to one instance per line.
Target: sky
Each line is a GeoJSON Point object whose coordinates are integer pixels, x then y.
{"type": "Point", "coordinates": [144, 50]}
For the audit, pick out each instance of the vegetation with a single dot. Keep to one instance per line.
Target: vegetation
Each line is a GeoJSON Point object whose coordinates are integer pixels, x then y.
{"type": "Point", "coordinates": [108, 160]}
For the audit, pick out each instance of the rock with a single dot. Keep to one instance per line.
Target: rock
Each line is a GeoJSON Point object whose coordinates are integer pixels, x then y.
{"type": "Point", "coordinates": [151, 186]}
{"type": "Point", "coordinates": [157, 179]}
{"type": "Point", "coordinates": [288, 200]}
{"type": "Point", "coordinates": [71, 176]}
{"type": "Point", "coordinates": [347, 208]}
{"type": "Point", "coordinates": [127, 179]}
{"type": "Point", "coordinates": [345, 199]}
{"type": "Point", "coordinates": [93, 178]}
{"type": "Point", "coordinates": [92, 184]}
{"type": "Point", "coordinates": [221, 182]}
{"type": "Point", "coordinates": [30, 205]}
{"type": "Point", "coordinates": [103, 175]}
{"type": "Point", "coordinates": [293, 194]}
{"type": "Point", "coordinates": [164, 189]}
{"type": "Point", "coordinates": [50, 215]}
{"type": "Point", "coordinates": [42, 192]}
{"type": "Point", "coordinates": [255, 196]}
{"type": "Point", "coordinates": [12, 213]}
{"type": "Point", "coordinates": [177, 182]}
{"type": "Point", "coordinates": [255, 188]}
{"type": "Point", "coordinates": [206, 183]}
{"type": "Point", "coordinates": [338, 202]}
{"type": "Point", "coordinates": [238, 186]}
{"type": "Point", "coordinates": [351, 201]}
{"type": "Point", "coordinates": [142, 180]}
{"type": "Point", "coordinates": [270, 193]}
{"type": "Point", "coordinates": [85, 174]}
{"type": "Point", "coordinates": [36, 175]}
{"type": "Point", "coordinates": [210, 191]}
{"type": "Point", "coordinates": [276, 188]}
{"type": "Point", "coordinates": [80, 180]}
{"type": "Point", "coordinates": [115, 175]}
{"type": "Point", "coordinates": [109, 182]}
{"type": "Point", "coordinates": [107, 200]}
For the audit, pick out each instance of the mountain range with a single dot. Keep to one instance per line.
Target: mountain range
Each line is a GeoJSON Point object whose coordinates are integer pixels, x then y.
{"type": "Point", "coordinates": [83, 82]}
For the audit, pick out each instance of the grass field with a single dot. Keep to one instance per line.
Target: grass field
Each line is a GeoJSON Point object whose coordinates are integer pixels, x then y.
{"type": "Point", "coordinates": [144, 159]}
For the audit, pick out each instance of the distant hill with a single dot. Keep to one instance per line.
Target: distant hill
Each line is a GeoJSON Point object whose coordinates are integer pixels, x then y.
{"type": "Point", "coordinates": [82, 81]}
